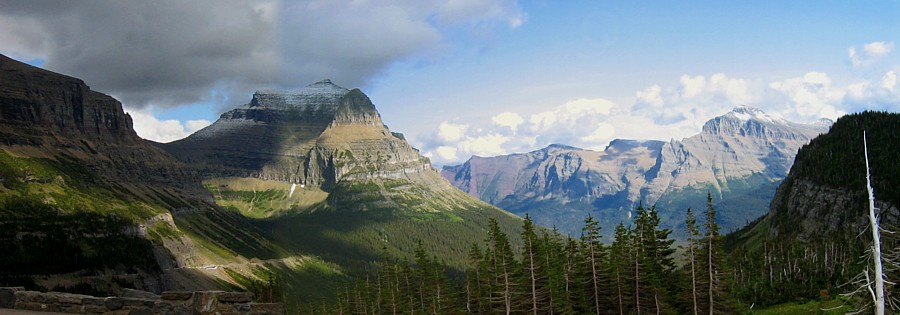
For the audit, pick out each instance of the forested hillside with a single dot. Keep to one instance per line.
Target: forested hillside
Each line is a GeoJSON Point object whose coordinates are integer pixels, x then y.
{"type": "Point", "coordinates": [814, 239]}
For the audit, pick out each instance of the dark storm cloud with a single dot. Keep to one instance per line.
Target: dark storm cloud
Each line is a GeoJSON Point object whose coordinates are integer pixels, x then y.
{"type": "Point", "coordinates": [172, 52]}
{"type": "Point", "coordinates": [161, 52]}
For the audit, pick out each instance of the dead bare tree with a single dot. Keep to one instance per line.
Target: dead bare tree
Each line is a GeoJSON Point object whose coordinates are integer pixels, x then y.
{"type": "Point", "coordinates": [866, 281]}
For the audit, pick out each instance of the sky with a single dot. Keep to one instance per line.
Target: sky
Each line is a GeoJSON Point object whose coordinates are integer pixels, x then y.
{"type": "Point", "coordinates": [476, 77]}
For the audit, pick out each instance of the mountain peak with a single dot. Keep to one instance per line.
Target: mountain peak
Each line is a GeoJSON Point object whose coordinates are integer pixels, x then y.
{"type": "Point", "coordinates": [558, 146]}
{"type": "Point", "coordinates": [746, 113]}
{"type": "Point", "coordinates": [319, 93]}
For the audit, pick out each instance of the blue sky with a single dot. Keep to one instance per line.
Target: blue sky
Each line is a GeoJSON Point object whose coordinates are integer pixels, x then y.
{"type": "Point", "coordinates": [477, 77]}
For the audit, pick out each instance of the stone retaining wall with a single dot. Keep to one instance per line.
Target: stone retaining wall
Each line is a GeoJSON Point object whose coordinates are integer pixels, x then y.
{"type": "Point", "coordinates": [170, 302]}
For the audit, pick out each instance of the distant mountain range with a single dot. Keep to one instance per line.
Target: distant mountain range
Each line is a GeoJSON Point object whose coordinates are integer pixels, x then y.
{"type": "Point", "coordinates": [739, 158]}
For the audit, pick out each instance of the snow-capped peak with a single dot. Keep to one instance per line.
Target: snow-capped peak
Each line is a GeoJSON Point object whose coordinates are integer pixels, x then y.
{"type": "Point", "coordinates": [321, 92]}
{"type": "Point", "coordinates": [746, 113]}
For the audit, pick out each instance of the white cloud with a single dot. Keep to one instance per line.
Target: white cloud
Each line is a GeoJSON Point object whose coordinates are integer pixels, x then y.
{"type": "Point", "coordinates": [149, 127]}
{"type": "Point", "coordinates": [446, 153]}
{"type": "Point", "coordinates": [601, 135]}
{"type": "Point", "coordinates": [571, 114]}
{"type": "Point", "coordinates": [889, 80]}
{"type": "Point", "coordinates": [731, 89]}
{"type": "Point", "coordinates": [691, 87]}
{"type": "Point", "coordinates": [810, 96]}
{"type": "Point", "coordinates": [870, 53]}
{"type": "Point", "coordinates": [486, 145]}
{"type": "Point", "coordinates": [508, 119]}
{"type": "Point", "coordinates": [651, 96]}
{"type": "Point", "coordinates": [877, 93]}
{"type": "Point", "coordinates": [451, 132]}
{"type": "Point", "coordinates": [581, 122]}
{"type": "Point", "coordinates": [693, 100]}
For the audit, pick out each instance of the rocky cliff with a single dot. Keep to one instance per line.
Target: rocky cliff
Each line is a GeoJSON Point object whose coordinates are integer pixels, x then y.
{"type": "Point", "coordinates": [50, 115]}
{"type": "Point", "coordinates": [739, 157]}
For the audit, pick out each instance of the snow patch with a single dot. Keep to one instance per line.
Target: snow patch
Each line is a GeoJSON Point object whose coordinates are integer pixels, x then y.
{"type": "Point", "coordinates": [747, 113]}
{"type": "Point", "coordinates": [293, 186]}
{"type": "Point", "coordinates": [320, 93]}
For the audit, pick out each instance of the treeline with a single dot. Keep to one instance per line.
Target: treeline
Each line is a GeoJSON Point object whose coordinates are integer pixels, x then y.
{"type": "Point", "coordinates": [552, 274]}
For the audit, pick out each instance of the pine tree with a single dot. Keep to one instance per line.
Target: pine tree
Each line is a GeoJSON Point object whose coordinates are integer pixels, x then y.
{"type": "Point", "coordinates": [554, 263]}
{"type": "Point", "coordinates": [502, 270]}
{"type": "Point", "coordinates": [423, 273]}
{"type": "Point", "coordinates": [712, 264]}
{"type": "Point", "coordinates": [536, 295]}
{"type": "Point", "coordinates": [619, 265]}
{"type": "Point", "coordinates": [660, 263]}
{"type": "Point", "coordinates": [475, 282]}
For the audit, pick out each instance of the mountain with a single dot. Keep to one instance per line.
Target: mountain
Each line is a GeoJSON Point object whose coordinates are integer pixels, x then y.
{"type": "Point", "coordinates": [318, 170]}
{"type": "Point", "coordinates": [317, 136]}
{"type": "Point", "coordinates": [739, 157]}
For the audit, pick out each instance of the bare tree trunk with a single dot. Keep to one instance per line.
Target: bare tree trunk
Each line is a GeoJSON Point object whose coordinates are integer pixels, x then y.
{"type": "Point", "coordinates": [694, 279]}
{"type": "Point", "coordinates": [878, 295]}
{"type": "Point", "coordinates": [619, 290]}
{"type": "Point", "coordinates": [711, 272]}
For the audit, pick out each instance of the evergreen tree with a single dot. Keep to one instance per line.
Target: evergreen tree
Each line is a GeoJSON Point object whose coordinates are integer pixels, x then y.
{"type": "Point", "coordinates": [660, 253]}
{"type": "Point", "coordinates": [502, 269]}
{"type": "Point", "coordinates": [476, 302]}
{"type": "Point", "coordinates": [554, 264]}
{"type": "Point", "coordinates": [536, 295]}
{"type": "Point", "coordinates": [571, 276]}
{"type": "Point", "coordinates": [712, 264]}
{"type": "Point", "coordinates": [653, 264]}
{"type": "Point", "coordinates": [592, 257]}
{"type": "Point", "coordinates": [619, 265]}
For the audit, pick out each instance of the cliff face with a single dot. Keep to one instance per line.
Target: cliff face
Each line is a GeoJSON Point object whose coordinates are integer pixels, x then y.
{"type": "Point", "coordinates": [317, 135]}
{"type": "Point", "coordinates": [825, 193]}
{"type": "Point", "coordinates": [51, 104]}
{"type": "Point", "coordinates": [739, 157]}
{"type": "Point", "coordinates": [50, 115]}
